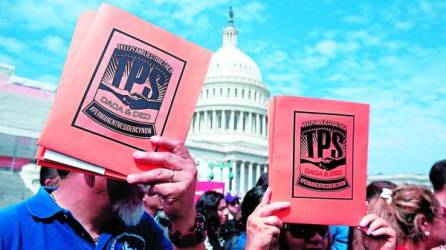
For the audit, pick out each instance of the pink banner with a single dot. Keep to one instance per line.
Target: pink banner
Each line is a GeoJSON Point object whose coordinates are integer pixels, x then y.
{"type": "Point", "coordinates": [204, 186]}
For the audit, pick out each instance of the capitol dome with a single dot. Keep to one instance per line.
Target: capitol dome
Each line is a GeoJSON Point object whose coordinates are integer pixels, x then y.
{"type": "Point", "coordinates": [228, 134]}
{"type": "Point", "coordinates": [233, 102]}
{"type": "Point", "coordinates": [229, 60]}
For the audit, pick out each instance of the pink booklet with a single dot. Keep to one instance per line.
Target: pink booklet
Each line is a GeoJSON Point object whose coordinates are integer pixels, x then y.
{"type": "Point", "coordinates": [318, 159]}
{"type": "Point", "coordinates": [124, 81]}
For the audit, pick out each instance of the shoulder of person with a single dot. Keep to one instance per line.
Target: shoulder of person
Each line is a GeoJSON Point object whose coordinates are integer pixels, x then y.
{"type": "Point", "coordinates": [13, 213]}
{"type": "Point", "coordinates": [13, 219]}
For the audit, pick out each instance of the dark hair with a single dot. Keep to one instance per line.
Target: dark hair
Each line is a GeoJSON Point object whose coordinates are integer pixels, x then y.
{"type": "Point", "coordinates": [263, 180]}
{"type": "Point", "coordinates": [375, 188]}
{"type": "Point", "coordinates": [63, 173]}
{"type": "Point", "coordinates": [250, 201]}
{"type": "Point", "coordinates": [47, 173]}
{"type": "Point", "coordinates": [207, 205]}
{"type": "Point", "coordinates": [437, 175]}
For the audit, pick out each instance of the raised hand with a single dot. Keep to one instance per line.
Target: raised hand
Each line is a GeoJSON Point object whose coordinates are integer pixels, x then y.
{"type": "Point", "coordinates": [174, 180]}
{"type": "Point", "coordinates": [263, 228]}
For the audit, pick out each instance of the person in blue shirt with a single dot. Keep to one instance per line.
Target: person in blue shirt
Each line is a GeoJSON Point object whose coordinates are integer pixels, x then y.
{"type": "Point", "coordinates": [93, 212]}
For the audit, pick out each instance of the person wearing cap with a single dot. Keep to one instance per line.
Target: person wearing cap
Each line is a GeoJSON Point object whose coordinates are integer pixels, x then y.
{"type": "Point", "coordinates": [233, 202]}
{"type": "Point", "coordinates": [232, 226]}
{"type": "Point", "coordinates": [94, 212]}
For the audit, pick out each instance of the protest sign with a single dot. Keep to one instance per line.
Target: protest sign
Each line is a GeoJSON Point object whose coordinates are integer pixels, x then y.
{"type": "Point", "coordinates": [318, 159]}
{"type": "Point", "coordinates": [124, 81]}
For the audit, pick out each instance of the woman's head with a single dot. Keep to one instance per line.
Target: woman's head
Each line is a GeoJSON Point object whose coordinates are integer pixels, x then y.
{"type": "Point", "coordinates": [250, 201]}
{"type": "Point", "coordinates": [375, 188]}
{"type": "Point", "coordinates": [414, 213]}
{"type": "Point", "coordinates": [213, 206]}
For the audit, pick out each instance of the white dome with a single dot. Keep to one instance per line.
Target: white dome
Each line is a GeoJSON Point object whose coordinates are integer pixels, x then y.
{"type": "Point", "coordinates": [233, 102]}
{"type": "Point", "coordinates": [231, 61]}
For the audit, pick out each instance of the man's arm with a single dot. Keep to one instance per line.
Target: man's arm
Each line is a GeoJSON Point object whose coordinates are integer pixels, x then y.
{"type": "Point", "coordinates": [174, 181]}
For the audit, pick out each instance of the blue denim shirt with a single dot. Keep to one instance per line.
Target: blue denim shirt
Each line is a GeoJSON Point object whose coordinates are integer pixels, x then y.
{"type": "Point", "coordinates": [39, 223]}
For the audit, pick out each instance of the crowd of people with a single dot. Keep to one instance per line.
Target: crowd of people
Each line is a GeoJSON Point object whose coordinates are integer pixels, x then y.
{"type": "Point", "coordinates": [155, 210]}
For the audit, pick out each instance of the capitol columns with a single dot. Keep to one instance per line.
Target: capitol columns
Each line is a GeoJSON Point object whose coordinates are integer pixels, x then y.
{"type": "Point", "coordinates": [250, 123]}
{"type": "Point", "coordinates": [242, 177]}
{"type": "Point", "coordinates": [206, 123]}
{"type": "Point", "coordinates": [223, 120]}
{"type": "Point", "coordinates": [258, 171]}
{"type": "Point", "coordinates": [214, 120]}
{"type": "Point", "coordinates": [234, 175]}
{"type": "Point", "coordinates": [257, 124]}
{"type": "Point", "coordinates": [197, 121]}
{"type": "Point", "coordinates": [250, 173]}
{"type": "Point", "coordinates": [225, 177]}
{"type": "Point", "coordinates": [231, 122]}
{"type": "Point", "coordinates": [265, 125]}
{"type": "Point", "coordinates": [241, 119]}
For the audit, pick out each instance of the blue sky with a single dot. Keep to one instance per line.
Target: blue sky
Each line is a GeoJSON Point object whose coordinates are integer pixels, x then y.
{"type": "Point", "coordinates": [390, 54]}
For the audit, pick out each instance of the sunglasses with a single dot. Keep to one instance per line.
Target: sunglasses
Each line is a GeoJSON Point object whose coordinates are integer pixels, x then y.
{"type": "Point", "coordinates": [302, 231]}
{"type": "Point", "coordinates": [234, 203]}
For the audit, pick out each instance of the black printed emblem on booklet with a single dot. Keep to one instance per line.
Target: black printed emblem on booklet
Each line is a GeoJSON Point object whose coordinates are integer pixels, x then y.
{"type": "Point", "coordinates": [131, 90]}
{"type": "Point", "coordinates": [322, 155]}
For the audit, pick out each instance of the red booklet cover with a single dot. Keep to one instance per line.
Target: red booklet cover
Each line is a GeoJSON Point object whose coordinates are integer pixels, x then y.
{"type": "Point", "coordinates": [124, 81]}
{"type": "Point", "coordinates": [318, 159]}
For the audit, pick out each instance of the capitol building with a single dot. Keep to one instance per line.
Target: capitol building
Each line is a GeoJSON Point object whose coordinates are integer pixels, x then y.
{"type": "Point", "coordinates": [228, 134]}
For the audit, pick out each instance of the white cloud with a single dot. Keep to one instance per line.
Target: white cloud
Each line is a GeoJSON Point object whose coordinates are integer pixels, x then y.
{"type": "Point", "coordinates": [275, 59]}
{"type": "Point", "coordinates": [327, 48]}
{"type": "Point", "coordinates": [255, 47]}
{"type": "Point", "coordinates": [12, 45]}
{"type": "Point", "coordinates": [37, 16]}
{"type": "Point", "coordinates": [252, 11]}
{"type": "Point", "coordinates": [364, 37]}
{"type": "Point", "coordinates": [14, 61]}
{"type": "Point", "coordinates": [404, 25]}
{"type": "Point", "coordinates": [394, 45]}
{"type": "Point", "coordinates": [348, 46]}
{"type": "Point", "coordinates": [285, 84]}
{"type": "Point", "coordinates": [312, 63]}
{"type": "Point", "coordinates": [425, 6]}
{"type": "Point", "coordinates": [54, 44]}
{"type": "Point", "coordinates": [355, 19]}
{"type": "Point", "coordinates": [185, 12]}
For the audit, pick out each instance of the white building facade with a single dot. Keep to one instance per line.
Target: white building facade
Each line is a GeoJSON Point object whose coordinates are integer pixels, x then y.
{"type": "Point", "coordinates": [228, 134]}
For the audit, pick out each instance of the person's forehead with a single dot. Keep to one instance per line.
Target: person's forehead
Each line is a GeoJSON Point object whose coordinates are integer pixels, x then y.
{"type": "Point", "coordinates": [222, 203]}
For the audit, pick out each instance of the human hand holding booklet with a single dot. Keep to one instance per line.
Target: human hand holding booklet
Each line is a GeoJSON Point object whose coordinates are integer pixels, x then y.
{"type": "Point", "coordinates": [124, 81]}
{"type": "Point", "coordinates": [318, 159]}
